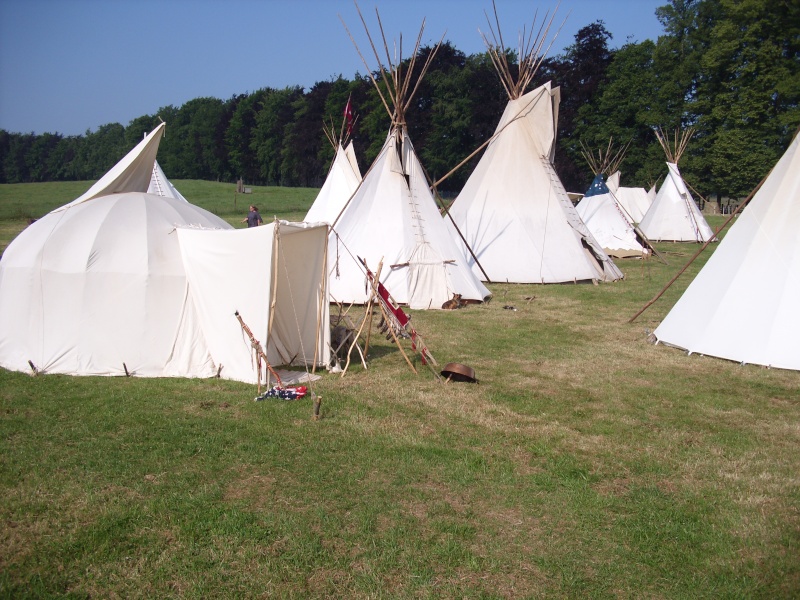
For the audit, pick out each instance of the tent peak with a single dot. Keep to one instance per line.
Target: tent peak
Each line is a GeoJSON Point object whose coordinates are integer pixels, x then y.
{"type": "Point", "coordinates": [531, 51]}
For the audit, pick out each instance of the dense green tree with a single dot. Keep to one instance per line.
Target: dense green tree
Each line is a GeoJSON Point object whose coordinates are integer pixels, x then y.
{"type": "Point", "coordinates": [748, 99]}
{"type": "Point", "coordinates": [275, 114]}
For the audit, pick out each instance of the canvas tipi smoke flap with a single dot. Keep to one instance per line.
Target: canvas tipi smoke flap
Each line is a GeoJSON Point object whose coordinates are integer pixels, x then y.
{"type": "Point", "coordinates": [514, 212]}
{"type": "Point", "coordinates": [392, 217]}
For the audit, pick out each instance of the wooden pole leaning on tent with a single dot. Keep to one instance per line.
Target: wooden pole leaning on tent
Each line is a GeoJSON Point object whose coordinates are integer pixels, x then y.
{"type": "Point", "coordinates": [260, 355]}
{"type": "Point", "coordinates": [703, 247]}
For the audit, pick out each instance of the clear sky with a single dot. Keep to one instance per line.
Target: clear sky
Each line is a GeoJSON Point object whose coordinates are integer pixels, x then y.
{"type": "Point", "coordinates": [69, 66]}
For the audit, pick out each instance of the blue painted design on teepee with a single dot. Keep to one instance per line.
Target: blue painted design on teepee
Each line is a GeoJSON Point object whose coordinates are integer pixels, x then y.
{"type": "Point", "coordinates": [598, 187]}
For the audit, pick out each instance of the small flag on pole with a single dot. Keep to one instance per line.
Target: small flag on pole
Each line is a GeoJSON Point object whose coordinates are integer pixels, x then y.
{"type": "Point", "coordinates": [348, 115]}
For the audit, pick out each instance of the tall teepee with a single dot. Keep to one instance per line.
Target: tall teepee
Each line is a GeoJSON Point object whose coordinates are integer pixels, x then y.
{"type": "Point", "coordinates": [161, 186]}
{"type": "Point", "coordinates": [600, 210]}
{"type": "Point", "coordinates": [392, 217]}
{"type": "Point", "coordinates": [514, 211]}
{"type": "Point", "coordinates": [674, 216]}
{"type": "Point", "coordinates": [742, 305]}
{"type": "Point", "coordinates": [342, 181]}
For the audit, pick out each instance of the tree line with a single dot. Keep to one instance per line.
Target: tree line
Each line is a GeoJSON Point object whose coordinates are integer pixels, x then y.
{"type": "Point", "coordinates": [728, 68]}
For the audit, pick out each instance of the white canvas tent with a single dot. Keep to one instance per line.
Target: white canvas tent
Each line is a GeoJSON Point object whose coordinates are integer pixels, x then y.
{"type": "Point", "coordinates": [342, 180]}
{"type": "Point", "coordinates": [99, 286]}
{"type": "Point", "coordinates": [514, 211]}
{"type": "Point", "coordinates": [635, 201]}
{"type": "Point", "coordinates": [393, 217]}
{"type": "Point", "coordinates": [608, 222]}
{"type": "Point", "coordinates": [161, 186]}
{"type": "Point", "coordinates": [742, 306]}
{"type": "Point", "coordinates": [275, 277]}
{"type": "Point", "coordinates": [674, 216]}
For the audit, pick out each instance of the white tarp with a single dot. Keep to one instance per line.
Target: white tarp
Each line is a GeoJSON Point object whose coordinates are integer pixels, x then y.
{"type": "Point", "coordinates": [673, 216]}
{"type": "Point", "coordinates": [274, 276]}
{"type": "Point", "coordinates": [742, 306]}
{"type": "Point", "coordinates": [514, 211]}
{"type": "Point", "coordinates": [393, 217]}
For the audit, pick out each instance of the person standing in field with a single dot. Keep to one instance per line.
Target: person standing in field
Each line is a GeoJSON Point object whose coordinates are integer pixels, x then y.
{"type": "Point", "coordinates": [253, 218]}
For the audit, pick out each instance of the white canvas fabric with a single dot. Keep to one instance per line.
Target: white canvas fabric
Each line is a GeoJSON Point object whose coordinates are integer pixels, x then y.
{"type": "Point", "coordinates": [673, 215]}
{"type": "Point", "coordinates": [742, 306]}
{"type": "Point", "coordinates": [99, 287]}
{"type": "Point", "coordinates": [609, 225]}
{"type": "Point", "coordinates": [342, 180]}
{"type": "Point", "coordinates": [393, 217]}
{"type": "Point", "coordinates": [275, 277]}
{"type": "Point", "coordinates": [514, 211]}
{"type": "Point", "coordinates": [131, 174]}
{"type": "Point", "coordinates": [634, 201]}
{"type": "Point", "coordinates": [161, 186]}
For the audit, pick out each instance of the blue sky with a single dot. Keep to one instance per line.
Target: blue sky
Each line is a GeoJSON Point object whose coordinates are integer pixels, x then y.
{"type": "Point", "coordinates": [69, 66]}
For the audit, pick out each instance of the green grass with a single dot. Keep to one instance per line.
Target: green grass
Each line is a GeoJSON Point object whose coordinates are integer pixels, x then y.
{"type": "Point", "coordinates": [587, 463]}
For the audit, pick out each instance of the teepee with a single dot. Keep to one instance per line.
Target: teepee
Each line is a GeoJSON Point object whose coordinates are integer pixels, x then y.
{"type": "Point", "coordinates": [742, 305]}
{"type": "Point", "coordinates": [392, 217]}
{"type": "Point", "coordinates": [599, 208]}
{"type": "Point", "coordinates": [343, 179]}
{"type": "Point", "coordinates": [514, 211]}
{"type": "Point", "coordinates": [635, 201]}
{"type": "Point", "coordinates": [674, 215]}
{"type": "Point", "coordinates": [161, 186]}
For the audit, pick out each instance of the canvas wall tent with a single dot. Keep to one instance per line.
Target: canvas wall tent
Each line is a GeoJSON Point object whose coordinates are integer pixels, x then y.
{"type": "Point", "coordinates": [513, 211]}
{"type": "Point", "coordinates": [99, 286]}
{"type": "Point", "coordinates": [742, 306]}
{"type": "Point", "coordinates": [674, 216]}
{"type": "Point", "coordinates": [161, 186]}
{"type": "Point", "coordinates": [342, 180]}
{"type": "Point", "coordinates": [393, 217]}
{"type": "Point", "coordinates": [275, 277]}
{"type": "Point", "coordinates": [608, 222]}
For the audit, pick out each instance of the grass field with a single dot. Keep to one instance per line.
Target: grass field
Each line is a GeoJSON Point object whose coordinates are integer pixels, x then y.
{"type": "Point", "coordinates": [587, 463]}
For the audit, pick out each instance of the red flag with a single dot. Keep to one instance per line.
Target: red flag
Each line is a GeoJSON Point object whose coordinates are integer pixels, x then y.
{"type": "Point", "coordinates": [348, 114]}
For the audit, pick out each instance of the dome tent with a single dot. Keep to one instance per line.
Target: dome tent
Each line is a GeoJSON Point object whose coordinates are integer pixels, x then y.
{"type": "Point", "coordinates": [97, 286]}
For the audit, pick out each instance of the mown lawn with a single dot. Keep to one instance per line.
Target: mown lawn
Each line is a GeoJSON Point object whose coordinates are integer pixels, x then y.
{"type": "Point", "coordinates": [586, 463]}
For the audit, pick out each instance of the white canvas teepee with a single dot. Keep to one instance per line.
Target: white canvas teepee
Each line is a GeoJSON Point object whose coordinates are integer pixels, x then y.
{"type": "Point", "coordinates": [742, 305]}
{"type": "Point", "coordinates": [599, 208]}
{"type": "Point", "coordinates": [393, 218]}
{"type": "Point", "coordinates": [635, 201]}
{"type": "Point", "coordinates": [99, 286]}
{"type": "Point", "coordinates": [161, 186]}
{"type": "Point", "coordinates": [342, 180]}
{"type": "Point", "coordinates": [674, 216]}
{"type": "Point", "coordinates": [513, 211]}
{"type": "Point", "coordinates": [608, 222]}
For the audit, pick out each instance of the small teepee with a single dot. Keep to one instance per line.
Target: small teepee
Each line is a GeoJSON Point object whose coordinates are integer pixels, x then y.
{"type": "Point", "coordinates": [343, 178]}
{"type": "Point", "coordinates": [514, 211]}
{"type": "Point", "coordinates": [161, 186]}
{"type": "Point", "coordinates": [635, 201]}
{"type": "Point", "coordinates": [610, 225]}
{"type": "Point", "coordinates": [742, 305]}
{"type": "Point", "coordinates": [392, 216]}
{"type": "Point", "coordinates": [674, 216]}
